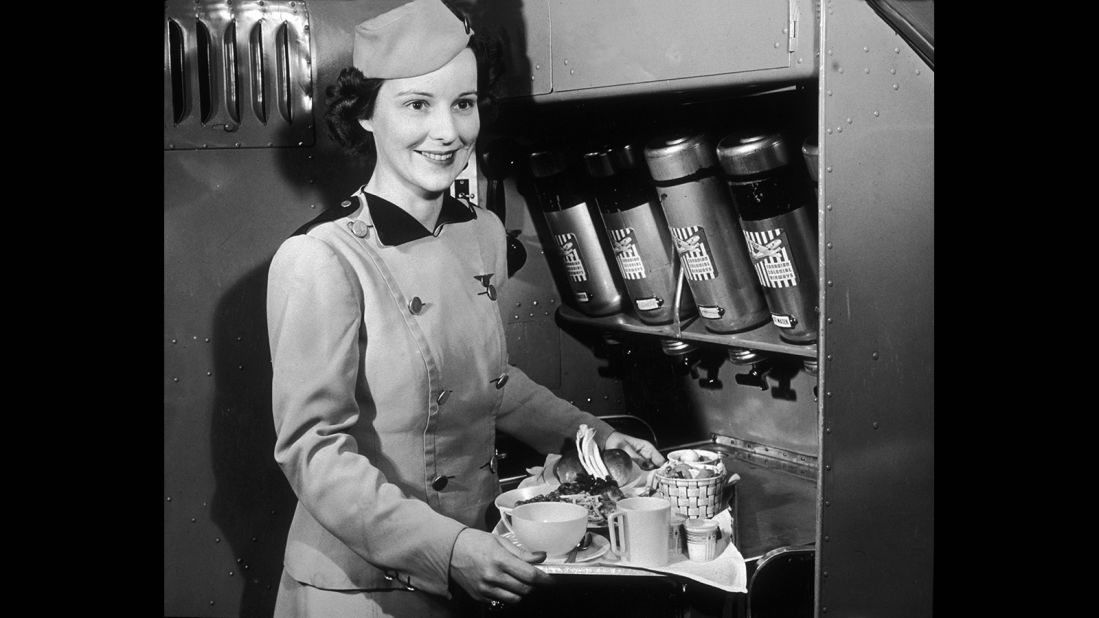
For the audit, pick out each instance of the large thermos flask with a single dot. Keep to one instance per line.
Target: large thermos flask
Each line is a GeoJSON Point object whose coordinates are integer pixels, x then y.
{"type": "Point", "coordinates": [706, 233]}
{"type": "Point", "coordinates": [584, 257]}
{"type": "Point", "coordinates": [637, 233]}
{"type": "Point", "coordinates": [776, 205]}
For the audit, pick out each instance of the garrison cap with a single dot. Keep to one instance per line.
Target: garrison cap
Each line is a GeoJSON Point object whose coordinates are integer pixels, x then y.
{"type": "Point", "coordinates": [413, 39]}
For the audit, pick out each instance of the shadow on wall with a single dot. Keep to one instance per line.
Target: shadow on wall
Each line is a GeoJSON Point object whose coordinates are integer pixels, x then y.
{"type": "Point", "coordinates": [252, 503]}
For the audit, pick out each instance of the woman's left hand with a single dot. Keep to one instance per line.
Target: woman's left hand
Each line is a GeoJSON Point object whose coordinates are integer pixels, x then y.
{"type": "Point", "coordinates": [638, 449]}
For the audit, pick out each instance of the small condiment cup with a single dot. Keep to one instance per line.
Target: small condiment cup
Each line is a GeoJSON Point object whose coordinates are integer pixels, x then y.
{"type": "Point", "coordinates": [702, 537]}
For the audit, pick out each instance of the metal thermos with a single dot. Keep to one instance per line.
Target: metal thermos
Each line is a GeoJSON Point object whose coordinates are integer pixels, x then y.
{"type": "Point", "coordinates": [811, 153]}
{"type": "Point", "coordinates": [707, 236]}
{"type": "Point", "coordinates": [585, 258]}
{"type": "Point", "coordinates": [777, 209]}
{"type": "Point", "coordinates": [637, 233]}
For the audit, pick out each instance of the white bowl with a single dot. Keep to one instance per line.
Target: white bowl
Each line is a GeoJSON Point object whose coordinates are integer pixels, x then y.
{"type": "Point", "coordinates": [506, 501]}
{"type": "Point", "coordinates": [552, 527]}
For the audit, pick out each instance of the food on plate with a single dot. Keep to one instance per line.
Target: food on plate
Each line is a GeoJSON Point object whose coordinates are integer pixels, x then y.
{"type": "Point", "coordinates": [619, 465]}
{"type": "Point", "coordinates": [568, 467]}
{"type": "Point", "coordinates": [599, 495]}
{"type": "Point", "coordinates": [684, 471]}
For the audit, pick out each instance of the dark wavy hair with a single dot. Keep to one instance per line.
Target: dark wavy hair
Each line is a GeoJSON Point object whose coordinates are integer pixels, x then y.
{"type": "Point", "coordinates": [353, 95]}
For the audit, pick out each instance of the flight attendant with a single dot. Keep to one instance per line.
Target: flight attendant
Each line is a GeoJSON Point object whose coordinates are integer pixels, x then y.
{"type": "Point", "coordinates": [390, 365]}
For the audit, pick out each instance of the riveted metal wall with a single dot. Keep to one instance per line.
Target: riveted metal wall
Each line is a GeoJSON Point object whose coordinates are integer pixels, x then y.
{"type": "Point", "coordinates": [876, 533]}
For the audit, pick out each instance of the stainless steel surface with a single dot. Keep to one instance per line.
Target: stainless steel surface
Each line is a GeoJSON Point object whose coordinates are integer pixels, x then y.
{"type": "Point", "coordinates": [765, 337]}
{"type": "Point", "coordinates": [793, 302]}
{"type": "Point", "coordinates": [237, 74]}
{"type": "Point", "coordinates": [584, 254]}
{"type": "Point", "coordinates": [711, 245]}
{"type": "Point", "coordinates": [672, 158]}
{"type": "Point", "coordinates": [798, 464]}
{"type": "Point", "coordinates": [877, 344]}
{"type": "Point", "coordinates": [645, 258]}
{"type": "Point", "coordinates": [752, 153]}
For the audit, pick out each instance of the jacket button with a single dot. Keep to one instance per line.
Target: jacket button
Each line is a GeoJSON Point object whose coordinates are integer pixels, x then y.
{"type": "Point", "coordinates": [359, 228]}
{"type": "Point", "coordinates": [415, 305]}
{"type": "Point", "coordinates": [501, 381]}
{"type": "Point", "coordinates": [346, 203]}
{"type": "Point", "coordinates": [440, 482]}
{"type": "Point", "coordinates": [443, 396]}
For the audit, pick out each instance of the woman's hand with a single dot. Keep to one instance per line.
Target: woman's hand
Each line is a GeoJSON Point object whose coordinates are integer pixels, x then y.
{"type": "Point", "coordinates": [491, 568]}
{"type": "Point", "coordinates": [639, 450]}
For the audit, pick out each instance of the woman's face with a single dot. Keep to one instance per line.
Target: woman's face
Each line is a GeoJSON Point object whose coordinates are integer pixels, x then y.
{"type": "Point", "coordinates": [425, 127]}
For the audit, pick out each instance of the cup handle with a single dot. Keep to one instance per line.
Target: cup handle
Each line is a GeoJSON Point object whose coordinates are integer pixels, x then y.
{"type": "Point", "coordinates": [613, 526]}
{"type": "Point", "coordinates": [505, 516]}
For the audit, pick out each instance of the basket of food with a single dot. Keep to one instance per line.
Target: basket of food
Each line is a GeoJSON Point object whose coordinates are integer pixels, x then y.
{"type": "Point", "coordinates": [694, 481]}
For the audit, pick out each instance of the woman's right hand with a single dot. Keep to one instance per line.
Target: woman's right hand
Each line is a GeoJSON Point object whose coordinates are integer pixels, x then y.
{"type": "Point", "coordinates": [491, 568]}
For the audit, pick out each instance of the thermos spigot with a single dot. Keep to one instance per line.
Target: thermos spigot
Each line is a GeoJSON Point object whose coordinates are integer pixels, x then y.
{"type": "Point", "coordinates": [756, 376]}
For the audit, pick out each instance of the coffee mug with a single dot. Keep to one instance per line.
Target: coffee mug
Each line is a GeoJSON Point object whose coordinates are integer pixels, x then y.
{"type": "Point", "coordinates": [639, 530]}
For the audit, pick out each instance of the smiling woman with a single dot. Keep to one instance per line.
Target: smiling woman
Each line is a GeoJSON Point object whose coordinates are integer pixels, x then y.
{"type": "Point", "coordinates": [390, 373]}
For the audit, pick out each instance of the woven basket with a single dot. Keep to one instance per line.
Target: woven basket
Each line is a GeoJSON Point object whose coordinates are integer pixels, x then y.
{"type": "Point", "coordinates": [693, 497]}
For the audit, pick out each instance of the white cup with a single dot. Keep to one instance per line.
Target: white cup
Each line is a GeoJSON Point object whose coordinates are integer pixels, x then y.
{"type": "Point", "coordinates": [639, 530]}
{"type": "Point", "coordinates": [552, 527]}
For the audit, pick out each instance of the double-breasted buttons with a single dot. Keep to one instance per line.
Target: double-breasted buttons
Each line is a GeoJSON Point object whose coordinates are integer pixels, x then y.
{"type": "Point", "coordinates": [439, 483]}
{"type": "Point", "coordinates": [501, 381]}
{"type": "Point", "coordinates": [346, 203]}
{"type": "Point", "coordinates": [443, 396]}
{"type": "Point", "coordinates": [415, 305]}
{"type": "Point", "coordinates": [359, 228]}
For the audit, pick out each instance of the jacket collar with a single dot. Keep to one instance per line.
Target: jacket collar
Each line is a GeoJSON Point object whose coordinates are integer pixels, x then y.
{"type": "Point", "coordinates": [395, 226]}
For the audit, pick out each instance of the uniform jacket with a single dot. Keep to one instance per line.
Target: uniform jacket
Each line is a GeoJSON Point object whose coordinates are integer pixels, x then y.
{"type": "Point", "coordinates": [390, 379]}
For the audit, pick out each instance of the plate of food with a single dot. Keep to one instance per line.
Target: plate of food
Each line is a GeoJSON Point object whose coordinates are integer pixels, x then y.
{"type": "Point", "coordinates": [589, 476]}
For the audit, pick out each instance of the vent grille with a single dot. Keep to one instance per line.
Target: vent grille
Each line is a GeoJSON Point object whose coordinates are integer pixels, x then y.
{"type": "Point", "coordinates": [237, 74]}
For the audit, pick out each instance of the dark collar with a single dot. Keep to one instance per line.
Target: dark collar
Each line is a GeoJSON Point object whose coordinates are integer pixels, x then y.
{"type": "Point", "coordinates": [396, 227]}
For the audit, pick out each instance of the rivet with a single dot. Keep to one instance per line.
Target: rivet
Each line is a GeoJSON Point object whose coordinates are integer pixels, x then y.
{"type": "Point", "coordinates": [776, 44]}
{"type": "Point", "coordinates": [827, 430]}
{"type": "Point", "coordinates": [246, 567]}
{"type": "Point", "coordinates": [173, 341]}
{"type": "Point", "coordinates": [876, 113]}
{"type": "Point", "coordinates": [175, 379]}
{"type": "Point", "coordinates": [829, 356]}
{"type": "Point", "coordinates": [829, 245]}
{"type": "Point", "coordinates": [828, 394]}
{"type": "Point", "coordinates": [312, 205]}
{"type": "Point", "coordinates": [829, 284]}
{"type": "Point", "coordinates": [572, 71]}
{"type": "Point", "coordinates": [875, 355]}
{"type": "Point", "coordinates": [172, 146]}
{"type": "Point", "coordinates": [828, 206]}
{"type": "Point", "coordinates": [896, 50]}
{"type": "Point", "coordinates": [866, 49]}
{"type": "Point", "coordinates": [829, 93]}
{"type": "Point", "coordinates": [168, 499]}
{"type": "Point", "coordinates": [194, 337]}
{"type": "Point", "coordinates": [829, 131]}
{"type": "Point", "coordinates": [866, 70]}
{"type": "Point", "coordinates": [193, 520]}
{"type": "Point", "coordinates": [827, 468]}
{"type": "Point", "coordinates": [893, 71]}
{"type": "Point", "coordinates": [211, 603]}
{"type": "Point", "coordinates": [827, 503]}
{"type": "Point", "coordinates": [206, 339]}
{"type": "Point", "coordinates": [209, 373]}
{"type": "Point", "coordinates": [272, 511]}
{"type": "Point", "coordinates": [253, 539]}
{"type": "Point", "coordinates": [236, 144]}
{"type": "Point", "coordinates": [917, 71]}
{"type": "Point", "coordinates": [848, 121]}
{"type": "Point", "coordinates": [204, 145]}
{"type": "Point", "coordinates": [784, 30]}
{"type": "Point", "coordinates": [896, 86]}
{"type": "Point", "coordinates": [829, 52]}
{"type": "Point", "coordinates": [546, 312]}
{"type": "Point", "coordinates": [828, 169]}
{"type": "Point", "coordinates": [841, 69]}
{"type": "Point", "coordinates": [538, 67]}
{"type": "Point", "coordinates": [230, 573]}
{"type": "Point", "coordinates": [516, 316]}
{"type": "Point", "coordinates": [824, 610]}
{"type": "Point", "coordinates": [799, 60]}
{"type": "Point", "coordinates": [240, 338]}
{"type": "Point", "coordinates": [302, 144]}
{"type": "Point", "coordinates": [240, 560]}
{"type": "Point", "coordinates": [839, 129]}
{"type": "Point", "coordinates": [829, 320]}
{"type": "Point", "coordinates": [217, 539]}
{"type": "Point", "coordinates": [269, 144]}
{"type": "Point", "coordinates": [566, 63]}
{"type": "Point", "coordinates": [240, 367]}
{"type": "Point", "coordinates": [875, 424]}
{"type": "Point", "coordinates": [827, 538]}
{"type": "Point", "coordinates": [532, 314]}
{"type": "Point", "coordinates": [535, 303]}
{"type": "Point", "coordinates": [531, 78]}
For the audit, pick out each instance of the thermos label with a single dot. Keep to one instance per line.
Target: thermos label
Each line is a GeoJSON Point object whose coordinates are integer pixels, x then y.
{"type": "Point", "coordinates": [625, 252]}
{"type": "Point", "coordinates": [784, 321]}
{"type": "Point", "coordinates": [649, 304]}
{"type": "Point", "coordinates": [770, 258]}
{"type": "Point", "coordinates": [711, 313]}
{"type": "Point", "coordinates": [582, 297]}
{"type": "Point", "coordinates": [695, 252]}
{"type": "Point", "coordinates": [570, 255]}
